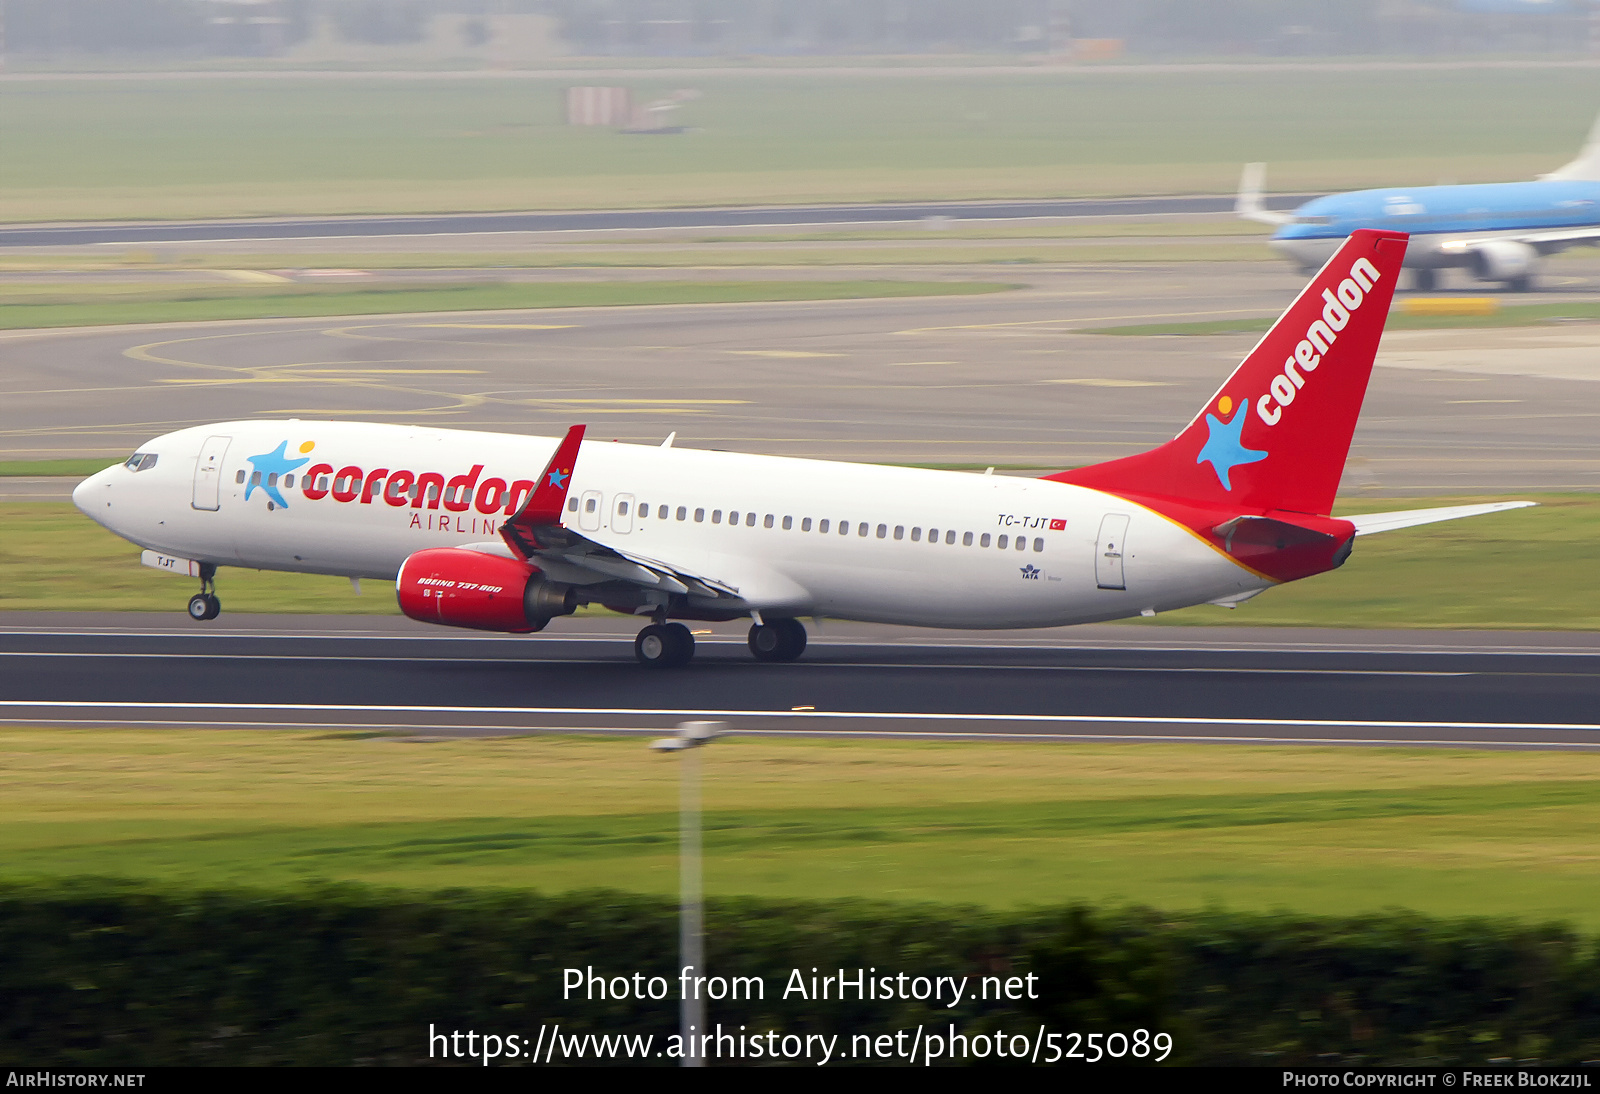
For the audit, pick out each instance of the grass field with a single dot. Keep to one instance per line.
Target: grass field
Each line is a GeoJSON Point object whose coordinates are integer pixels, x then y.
{"type": "Point", "coordinates": [198, 148]}
{"type": "Point", "coordinates": [59, 306]}
{"type": "Point", "coordinates": [1469, 573]}
{"type": "Point", "coordinates": [1318, 831]}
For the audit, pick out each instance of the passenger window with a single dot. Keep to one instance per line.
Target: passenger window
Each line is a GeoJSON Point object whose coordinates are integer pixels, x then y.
{"type": "Point", "coordinates": [844, 528]}
{"type": "Point", "coordinates": [255, 478]}
{"type": "Point", "coordinates": [683, 512]}
{"type": "Point", "coordinates": [933, 535]}
{"type": "Point", "coordinates": [805, 525]}
{"type": "Point", "coordinates": [622, 508]}
{"type": "Point", "coordinates": [699, 516]}
{"type": "Point", "coordinates": [899, 531]}
{"type": "Point", "coordinates": [1038, 545]}
{"type": "Point", "coordinates": [590, 505]}
{"type": "Point", "coordinates": [272, 479]}
{"type": "Point", "coordinates": [572, 503]}
{"type": "Point", "coordinates": [733, 516]}
{"type": "Point", "coordinates": [661, 513]}
{"type": "Point", "coordinates": [716, 516]}
{"type": "Point", "coordinates": [766, 522]}
{"type": "Point", "coordinates": [1022, 543]}
{"type": "Point", "coordinates": [966, 539]}
{"type": "Point", "coordinates": [984, 542]}
{"type": "Point", "coordinates": [950, 536]}
{"type": "Point", "coordinates": [749, 520]}
{"type": "Point", "coordinates": [239, 478]}
{"type": "Point", "coordinates": [322, 482]}
{"type": "Point", "coordinates": [1003, 542]}
{"type": "Point", "coordinates": [822, 525]}
{"type": "Point", "coordinates": [916, 535]}
{"type": "Point", "coordinates": [288, 482]}
{"type": "Point", "coordinates": [788, 523]}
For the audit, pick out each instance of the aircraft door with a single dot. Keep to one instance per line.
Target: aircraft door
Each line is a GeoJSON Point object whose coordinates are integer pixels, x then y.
{"type": "Point", "coordinates": [589, 511]}
{"type": "Point", "coordinates": [1108, 555]}
{"type": "Point", "coordinates": [622, 514]}
{"type": "Point", "coordinates": [208, 474]}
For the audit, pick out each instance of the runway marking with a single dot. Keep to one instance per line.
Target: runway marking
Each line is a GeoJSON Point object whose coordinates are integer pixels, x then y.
{"type": "Point", "coordinates": [621, 636]}
{"type": "Point", "coordinates": [492, 326]}
{"type": "Point", "coordinates": [778, 353]}
{"type": "Point", "coordinates": [293, 371]}
{"type": "Point", "coordinates": [647, 402]}
{"type": "Point", "coordinates": [941, 666]}
{"type": "Point", "coordinates": [412, 728]}
{"type": "Point", "coordinates": [1083, 319]}
{"type": "Point", "coordinates": [1095, 381]}
{"type": "Point", "coordinates": [807, 715]}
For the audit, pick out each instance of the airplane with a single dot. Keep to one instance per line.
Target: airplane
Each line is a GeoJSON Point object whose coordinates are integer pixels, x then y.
{"type": "Point", "coordinates": [1238, 502]}
{"type": "Point", "coordinates": [1497, 231]}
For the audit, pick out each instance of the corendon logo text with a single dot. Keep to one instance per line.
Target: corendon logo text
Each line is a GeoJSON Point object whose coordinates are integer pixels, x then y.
{"type": "Point", "coordinates": [1338, 307]}
{"type": "Point", "coordinates": [427, 489]}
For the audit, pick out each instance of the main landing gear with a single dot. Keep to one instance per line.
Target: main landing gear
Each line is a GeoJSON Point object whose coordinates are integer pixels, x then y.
{"type": "Point", "coordinates": [779, 640]}
{"type": "Point", "coordinates": [204, 604]}
{"type": "Point", "coordinates": [664, 646]}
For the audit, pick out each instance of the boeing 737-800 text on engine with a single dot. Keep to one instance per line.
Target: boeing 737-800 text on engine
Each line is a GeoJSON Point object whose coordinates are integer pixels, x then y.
{"type": "Point", "coordinates": [474, 535]}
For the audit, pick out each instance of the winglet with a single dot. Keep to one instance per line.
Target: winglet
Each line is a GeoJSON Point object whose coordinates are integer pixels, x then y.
{"type": "Point", "coordinates": [544, 507]}
{"type": "Point", "coordinates": [1248, 204]}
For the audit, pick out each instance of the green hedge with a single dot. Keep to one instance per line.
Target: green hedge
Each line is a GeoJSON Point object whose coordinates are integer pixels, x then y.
{"type": "Point", "coordinates": [103, 973]}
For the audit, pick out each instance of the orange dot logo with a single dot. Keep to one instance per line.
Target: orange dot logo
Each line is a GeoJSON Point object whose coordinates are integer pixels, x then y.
{"type": "Point", "coordinates": [1224, 405]}
{"type": "Point", "coordinates": [308, 446]}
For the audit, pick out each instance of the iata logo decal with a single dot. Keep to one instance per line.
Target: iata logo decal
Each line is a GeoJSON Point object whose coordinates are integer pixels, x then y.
{"type": "Point", "coordinates": [1030, 572]}
{"type": "Point", "coordinates": [269, 467]}
{"type": "Point", "coordinates": [1223, 449]}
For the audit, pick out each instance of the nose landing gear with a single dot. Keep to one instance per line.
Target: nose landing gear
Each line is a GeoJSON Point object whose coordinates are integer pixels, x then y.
{"type": "Point", "coordinates": [664, 646]}
{"type": "Point", "coordinates": [779, 640]}
{"type": "Point", "coordinates": [204, 604]}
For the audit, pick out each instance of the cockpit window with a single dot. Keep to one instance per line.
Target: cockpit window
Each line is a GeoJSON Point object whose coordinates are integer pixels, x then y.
{"type": "Point", "coordinates": [140, 461]}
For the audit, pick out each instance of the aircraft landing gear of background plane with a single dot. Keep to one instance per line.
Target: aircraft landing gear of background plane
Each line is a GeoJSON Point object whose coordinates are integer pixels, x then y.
{"type": "Point", "coordinates": [664, 646]}
{"type": "Point", "coordinates": [779, 640]}
{"type": "Point", "coordinates": [204, 604]}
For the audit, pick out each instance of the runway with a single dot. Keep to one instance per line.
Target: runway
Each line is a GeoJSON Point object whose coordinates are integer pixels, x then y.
{"type": "Point", "coordinates": [776, 216]}
{"type": "Point", "coordinates": [1010, 379]}
{"type": "Point", "coordinates": [1099, 683]}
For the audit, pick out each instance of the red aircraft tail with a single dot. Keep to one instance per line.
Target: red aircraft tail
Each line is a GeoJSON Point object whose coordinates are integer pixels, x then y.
{"type": "Point", "coordinates": [1276, 434]}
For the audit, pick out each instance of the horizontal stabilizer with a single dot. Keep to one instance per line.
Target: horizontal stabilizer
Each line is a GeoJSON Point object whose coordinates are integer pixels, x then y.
{"type": "Point", "coordinates": [1409, 518]}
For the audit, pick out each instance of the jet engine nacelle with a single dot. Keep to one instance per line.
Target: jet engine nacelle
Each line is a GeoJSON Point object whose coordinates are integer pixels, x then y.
{"type": "Point", "coordinates": [1503, 260]}
{"type": "Point", "coordinates": [461, 588]}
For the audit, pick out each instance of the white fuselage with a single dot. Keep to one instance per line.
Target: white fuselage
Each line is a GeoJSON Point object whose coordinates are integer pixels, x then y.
{"type": "Point", "coordinates": [848, 541]}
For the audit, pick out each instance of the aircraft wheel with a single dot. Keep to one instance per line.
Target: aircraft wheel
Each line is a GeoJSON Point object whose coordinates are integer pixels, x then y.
{"type": "Point", "coordinates": [1520, 284]}
{"type": "Point", "coordinates": [664, 646]}
{"type": "Point", "coordinates": [780, 640]}
{"type": "Point", "coordinates": [204, 606]}
{"type": "Point", "coordinates": [1425, 280]}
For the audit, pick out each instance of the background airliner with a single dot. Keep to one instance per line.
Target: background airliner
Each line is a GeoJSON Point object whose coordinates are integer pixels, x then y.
{"type": "Point", "coordinates": [1498, 231]}
{"type": "Point", "coordinates": [474, 537]}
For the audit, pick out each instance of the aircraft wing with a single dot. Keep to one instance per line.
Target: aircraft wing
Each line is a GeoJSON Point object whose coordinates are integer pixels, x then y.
{"type": "Point", "coordinates": [1544, 242]}
{"type": "Point", "coordinates": [1409, 518]}
{"type": "Point", "coordinates": [538, 533]}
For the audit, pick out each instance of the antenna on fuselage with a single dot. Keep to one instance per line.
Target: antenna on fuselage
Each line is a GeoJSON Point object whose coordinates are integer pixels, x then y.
{"type": "Point", "coordinates": [670, 438]}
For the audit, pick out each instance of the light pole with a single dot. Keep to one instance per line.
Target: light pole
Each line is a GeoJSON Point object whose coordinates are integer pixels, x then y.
{"type": "Point", "coordinates": [691, 904]}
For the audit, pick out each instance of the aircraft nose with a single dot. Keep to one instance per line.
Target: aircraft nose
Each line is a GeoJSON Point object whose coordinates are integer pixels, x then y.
{"type": "Point", "coordinates": [90, 493]}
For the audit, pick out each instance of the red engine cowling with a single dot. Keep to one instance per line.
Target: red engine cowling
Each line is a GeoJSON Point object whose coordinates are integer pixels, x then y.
{"type": "Point", "coordinates": [461, 588]}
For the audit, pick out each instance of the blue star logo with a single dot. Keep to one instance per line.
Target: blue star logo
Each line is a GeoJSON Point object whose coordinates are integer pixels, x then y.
{"type": "Point", "coordinates": [269, 463]}
{"type": "Point", "coordinates": [1223, 449]}
{"type": "Point", "coordinates": [558, 479]}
